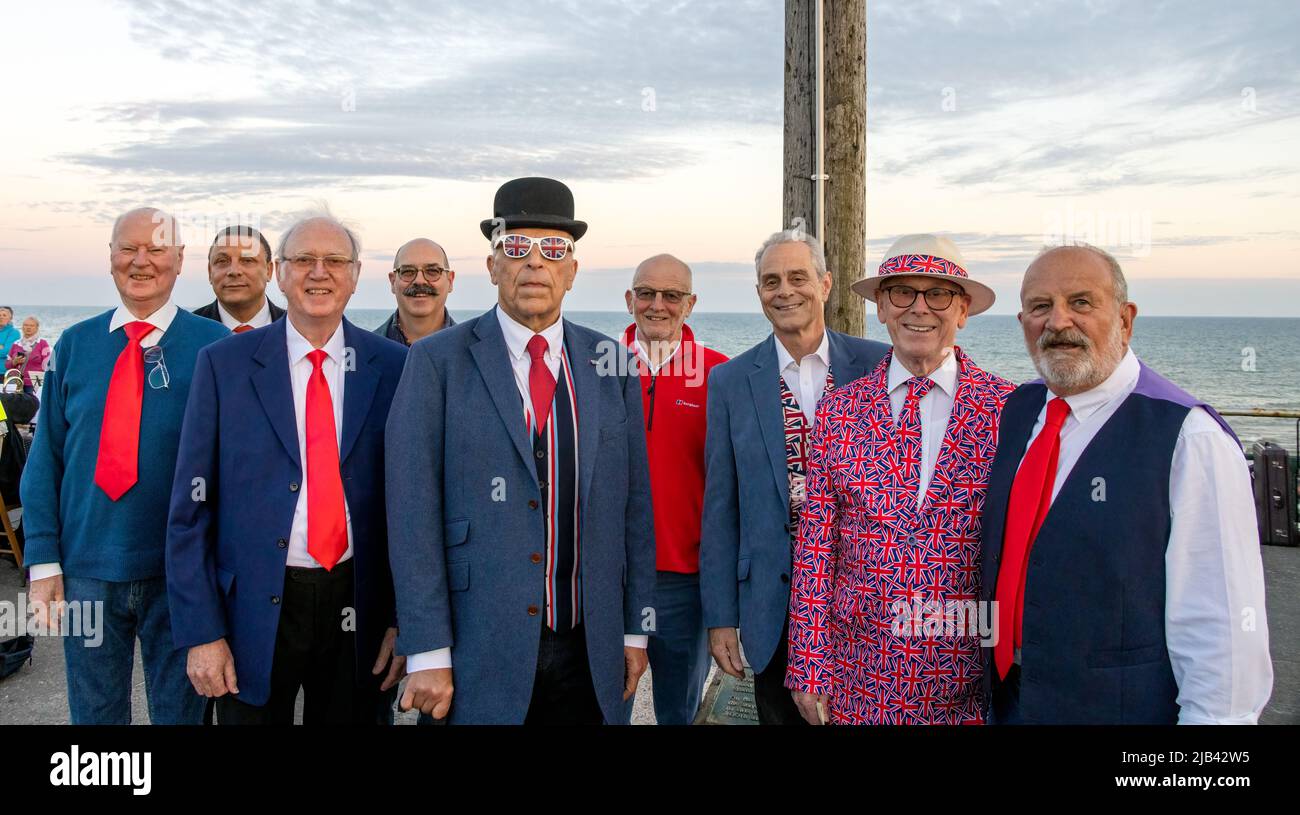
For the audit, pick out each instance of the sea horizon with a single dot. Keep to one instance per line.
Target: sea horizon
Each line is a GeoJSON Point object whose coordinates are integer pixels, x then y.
{"type": "Point", "coordinates": [1232, 363]}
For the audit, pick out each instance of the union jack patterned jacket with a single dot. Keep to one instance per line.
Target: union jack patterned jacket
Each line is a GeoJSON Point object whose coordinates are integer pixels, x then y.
{"type": "Point", "coordinates": [883, 596]}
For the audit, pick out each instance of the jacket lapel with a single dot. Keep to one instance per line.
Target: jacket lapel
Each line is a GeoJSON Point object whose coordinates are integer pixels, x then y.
{"type": "Point", "coordinates": [274, 388]}
{"type": "Point", "coordinates": [493, 361]}
{"type": "Point", "coordinates": [361, 379]}
{"type": "Point", "coordinates": [764, 384]}
{"type": "Point", "coordinates": [844, 362]}
{"type": "Point", "coordinates": [583, 360]}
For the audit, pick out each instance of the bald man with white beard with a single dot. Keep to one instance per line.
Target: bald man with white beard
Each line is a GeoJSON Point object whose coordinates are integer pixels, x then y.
{"type": "Point", "coordinates": [421, 280]}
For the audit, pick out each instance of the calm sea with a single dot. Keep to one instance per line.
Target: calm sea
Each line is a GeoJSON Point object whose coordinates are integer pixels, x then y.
{"type": "Point", "coordinates": [1230, 362]}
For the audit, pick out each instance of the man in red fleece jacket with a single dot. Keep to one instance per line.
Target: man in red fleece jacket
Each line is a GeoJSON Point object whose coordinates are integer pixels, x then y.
{"type": "Point", "coordinates": [674, 373]}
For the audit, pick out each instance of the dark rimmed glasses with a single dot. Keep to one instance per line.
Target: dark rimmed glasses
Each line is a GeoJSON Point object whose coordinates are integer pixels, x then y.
{"type": "Point", "coordinates": [432, 273]}
{"type": "Point", "coordinates": [937, 298]}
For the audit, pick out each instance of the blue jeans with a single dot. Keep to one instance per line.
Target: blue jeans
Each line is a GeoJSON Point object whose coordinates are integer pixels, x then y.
{"type": "Point", "coordinates": [679, 648]}
{"type": "Point", "coordinates": [100, 661]}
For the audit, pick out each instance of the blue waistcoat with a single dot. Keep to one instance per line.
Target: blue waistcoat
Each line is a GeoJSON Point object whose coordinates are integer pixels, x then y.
{"type": "Point", "coordinates": [1094, 617]}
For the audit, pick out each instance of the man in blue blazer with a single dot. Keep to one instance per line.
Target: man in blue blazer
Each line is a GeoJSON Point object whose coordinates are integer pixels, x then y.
{"type": "Point", "coordinates": [277, 556]}
{"type": "Point", "coordinates": [761, 410]}
{"type": "Point", "coordinates": [520, 528]}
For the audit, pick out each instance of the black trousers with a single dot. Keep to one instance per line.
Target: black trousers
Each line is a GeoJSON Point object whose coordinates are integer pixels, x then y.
{"type": "Point", "coordinates": [771, 696]}
{"type": "Point", "coordinates": [1004, 707]}
{"type": "Point", "coordinates": [315, 654]}
{"type": "Point", "coordinates": [563, 692]}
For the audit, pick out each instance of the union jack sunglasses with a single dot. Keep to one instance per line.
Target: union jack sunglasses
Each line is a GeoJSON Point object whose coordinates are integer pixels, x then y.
{"type": "Point", "coordinates": [518, 246]}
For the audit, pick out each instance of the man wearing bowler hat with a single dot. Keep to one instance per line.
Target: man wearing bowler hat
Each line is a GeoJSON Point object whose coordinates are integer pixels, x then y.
{"type": "Point", "coordinates": [527, 573]}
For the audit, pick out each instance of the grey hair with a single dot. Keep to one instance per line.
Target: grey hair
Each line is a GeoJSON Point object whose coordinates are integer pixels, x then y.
{"type": "Point", "coordinates": [793, 236]}
{"type": "Point", "coordinates": [1116, 273]}
{"type": "Point", "coordinates": [320, 214]}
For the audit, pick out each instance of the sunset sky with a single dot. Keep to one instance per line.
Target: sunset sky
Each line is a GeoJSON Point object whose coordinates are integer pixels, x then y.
{"type": "Point", "coordinates": [998, 123]}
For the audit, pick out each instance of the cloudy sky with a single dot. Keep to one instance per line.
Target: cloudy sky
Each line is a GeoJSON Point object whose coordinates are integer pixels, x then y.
{"type": "Point", "coordinates": [1165, 131]}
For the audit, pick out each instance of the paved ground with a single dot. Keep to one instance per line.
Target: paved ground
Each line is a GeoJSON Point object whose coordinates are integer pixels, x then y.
{"type": "Point", "coordinates": [36, 694]}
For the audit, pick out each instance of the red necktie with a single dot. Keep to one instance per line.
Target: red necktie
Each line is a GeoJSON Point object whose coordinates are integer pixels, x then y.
{"type": "Point", "coordinates": [327, 533]}
{"type": "Point", "coordinates": [240, 329]}
{"type": "Point", "coordinates": [117, 467]}
{"type": "Point", "coordinates": [541, 382]}
{"type": "Point", "coordinates": [1031, 496]}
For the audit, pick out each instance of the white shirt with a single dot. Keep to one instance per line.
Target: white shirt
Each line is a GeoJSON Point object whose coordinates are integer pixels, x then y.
{"type": "Point", "coordinates": [517, 336]}
{"type": "Point", "coordinates": [300, 369]}
{"type": "Point", "coordinates": [261, 318]}
{"type": "Point", "coordinates": [935, 409]}
{"type": "Point", "coordinates": [1213, 570]}
{"type": "Point", "coordinates": [644, 353]}
{"type": "Point", "coordinates": [161, 321]}
{"type": "Point", "coordinates": [805, 378]}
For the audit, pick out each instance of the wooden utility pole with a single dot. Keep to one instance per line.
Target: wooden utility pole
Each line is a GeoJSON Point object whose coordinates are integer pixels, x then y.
{"type": "Point", "coordinates": [845, 143]}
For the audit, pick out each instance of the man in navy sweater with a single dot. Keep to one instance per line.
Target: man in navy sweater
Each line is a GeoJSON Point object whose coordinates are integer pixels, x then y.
{"type": "Point", "coordinates": [96, 503]}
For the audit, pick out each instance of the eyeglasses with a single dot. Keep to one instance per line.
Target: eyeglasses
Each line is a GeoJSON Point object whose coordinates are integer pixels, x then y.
{"type": "Point", "coordinates": [518, 246]}
{"type": "Point", "coordinates": [158, 377]}
{"type": "Point", "coordinates": [306, 263]}
{"type": "Point", "coordinates": [938, 298]}
{"type": "Point", "coordinates": [432, 273]}
{"type": "Point", "coordinates": [672, 297]}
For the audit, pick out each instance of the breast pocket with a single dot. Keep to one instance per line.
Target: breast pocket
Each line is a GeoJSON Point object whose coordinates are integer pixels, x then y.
{"type": "Point", "coordinates": [454, 533]}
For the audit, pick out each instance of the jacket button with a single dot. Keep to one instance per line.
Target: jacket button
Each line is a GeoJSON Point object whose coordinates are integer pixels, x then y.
{"type": "Point", "coordinates": [532, 505]}
{"type": "Point", "coordinates": [532, 611]}
{"type": "Point", "coordinates": [275, 599]}
{"type": "Point", "coordinates": [541, 454]}
{"type": "Point", "coordinates": [535, 557]}
{"type": "Point", "coordinates": [541, 485]}
{"type": "Point", "coordinates": [293, 486]}
{"type": "Point", "coordinates": [282, 543]}
{"type": "Point", "coordinates": [785, 578]}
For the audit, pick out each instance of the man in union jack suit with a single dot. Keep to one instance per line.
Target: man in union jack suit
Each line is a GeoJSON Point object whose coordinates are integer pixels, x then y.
{"type": "Point", "coordinates": [883, 621]}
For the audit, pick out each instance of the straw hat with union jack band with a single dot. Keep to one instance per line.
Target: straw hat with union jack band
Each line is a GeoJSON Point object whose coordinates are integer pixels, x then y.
{"type": "Point", "coordinates": [926, 255]}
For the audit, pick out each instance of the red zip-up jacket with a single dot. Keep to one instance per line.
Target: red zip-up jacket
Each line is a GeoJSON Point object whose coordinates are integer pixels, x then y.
{"type": "Point", "coordinates": [674, 405]}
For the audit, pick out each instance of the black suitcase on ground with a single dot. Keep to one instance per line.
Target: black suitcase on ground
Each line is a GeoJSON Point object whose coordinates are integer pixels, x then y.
{"type": "Point", "coordinates": [1275, 497]}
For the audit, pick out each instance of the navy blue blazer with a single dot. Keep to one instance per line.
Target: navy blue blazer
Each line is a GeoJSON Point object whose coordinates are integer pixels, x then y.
{"type": "Point", "coordinates": [465, 525]}
{"type": "Point", "coordinates": [227, 535]}
{"type": "Point", "coordinates": [745, 549]}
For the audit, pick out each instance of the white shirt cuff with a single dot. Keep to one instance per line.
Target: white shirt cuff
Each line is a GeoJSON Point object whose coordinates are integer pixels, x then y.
{"type": "Point", "coordinates": [428, 660]}
{"type": "Point", "coordinates": [636, 640]}
{"type": "Point", "coordinates": [43, 570]}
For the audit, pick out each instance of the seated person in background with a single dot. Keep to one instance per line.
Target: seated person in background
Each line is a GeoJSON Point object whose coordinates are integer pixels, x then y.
{"type": "Point", "coordinates": [29, 353]}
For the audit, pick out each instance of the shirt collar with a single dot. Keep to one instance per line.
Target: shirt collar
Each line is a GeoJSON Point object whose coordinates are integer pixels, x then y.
{"type": "Point", "coordinates": [300, 347]}
{"type": "Point", "coordinates": [630, 338]}
{"type": "Point", "coordinates": [160, 319]}
{"type": "Point", "coordinates": [945, 376]}
{"type": "Point", "coordinates": [261, 318]}
{"type": "Point", "coordinates": [1118, 385]}
{"type": "Point", "coordinates": [517, 335]}
{"type": "Point", "coordinates": [784, 359]}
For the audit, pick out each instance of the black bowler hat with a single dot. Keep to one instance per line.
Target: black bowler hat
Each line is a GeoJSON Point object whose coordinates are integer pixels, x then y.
{"type": "Point", "coordinates": [534, 202]}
